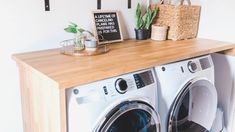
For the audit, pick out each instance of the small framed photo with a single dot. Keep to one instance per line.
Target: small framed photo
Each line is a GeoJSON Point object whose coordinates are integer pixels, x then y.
{"type": "Point", "coordinates": [107, 26]}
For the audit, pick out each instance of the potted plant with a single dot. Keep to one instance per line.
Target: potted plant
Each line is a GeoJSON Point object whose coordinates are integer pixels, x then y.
{"type": "Point", "coordinates": [79, 35]}
{"type": "Point", "coordinates": [143, 22]}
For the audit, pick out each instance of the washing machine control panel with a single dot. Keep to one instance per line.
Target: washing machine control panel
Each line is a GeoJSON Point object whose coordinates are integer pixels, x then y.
{"type": "Point", "coordinates": [115, 87]}
{"type": "Point", "coordinates": [128, 83]}
{"type": "Point", "coordinates": [143, 79]}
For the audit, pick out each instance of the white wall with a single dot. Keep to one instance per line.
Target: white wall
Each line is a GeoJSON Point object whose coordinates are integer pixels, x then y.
{"type": "Point", "coordinates": [25, 26]}
{"type": "Point", "coordinates": [218, 20]}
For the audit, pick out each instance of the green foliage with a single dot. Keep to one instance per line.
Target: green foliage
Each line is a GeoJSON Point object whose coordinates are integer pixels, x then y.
{"type": "Point", "coordinates": [144, 21]}
{"type": "Point", "coordinates": [148, 17]}
{"type": "Point", "coordinates": [73, 28]}
{"type": "Point", "coordinates": [80, 34]}
{"type": "Point", "coordinates": [138, 17]}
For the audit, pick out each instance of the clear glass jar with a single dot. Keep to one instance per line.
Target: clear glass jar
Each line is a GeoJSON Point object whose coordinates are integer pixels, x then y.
{"type": "Point", "coordinates": [79, 41]}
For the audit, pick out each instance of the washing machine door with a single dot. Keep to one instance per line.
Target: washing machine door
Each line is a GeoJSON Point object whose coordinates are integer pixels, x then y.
{"type": "Point", "coordinates": [194, 108]}
{"type": "Point", "coordinates": [131, 117]}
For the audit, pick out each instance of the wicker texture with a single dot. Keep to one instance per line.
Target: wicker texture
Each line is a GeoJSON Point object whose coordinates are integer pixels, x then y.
{"type": "Point", "coordinates": [183, 20]}
{"type": "Point", "coordinates": [159, 32]}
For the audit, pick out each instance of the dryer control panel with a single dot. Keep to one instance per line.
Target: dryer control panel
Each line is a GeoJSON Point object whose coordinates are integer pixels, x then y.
{"type": "Point", "coordinates": [199, 64]}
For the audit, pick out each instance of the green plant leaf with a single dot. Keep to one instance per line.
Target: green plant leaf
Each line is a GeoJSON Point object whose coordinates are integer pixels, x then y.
{"type": "Point", "coordinates": [144, 21]}
{"type": "Point", "coordinates": [138, 11]}
{"type": "Point", "coordinates": [150, 15]}
{"type": "Point", "coordinates": [140, 24]}
{"type": "Point", "coordinates": [144, 18]}
{"type": "Point", "coordinates": [80, 30]}
{"type": "Point", "coordinates": [154, 13]}
{"type": "Point", "coordinates": [73, 24]}
{"type": "Point", "coordinates": [147, 18]}
{"type": "Point", "coordinates": [71, 29]}
{"type": "Point", "coordinates": [138, 17]}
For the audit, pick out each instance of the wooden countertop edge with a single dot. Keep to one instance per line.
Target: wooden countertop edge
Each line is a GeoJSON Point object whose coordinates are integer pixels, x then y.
{"type": "Point", "coordinates": [227, 50]}
{"type": "Point", "coordinates": [21, 63]}
{"type": "Point", "coordinates": [205, 52]}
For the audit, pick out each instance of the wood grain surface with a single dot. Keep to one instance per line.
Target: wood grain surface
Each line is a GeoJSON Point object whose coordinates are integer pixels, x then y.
{"type": "Point", "coordinates": [43, 104]}
{"type": "Point", "coordinates": [124, 57]}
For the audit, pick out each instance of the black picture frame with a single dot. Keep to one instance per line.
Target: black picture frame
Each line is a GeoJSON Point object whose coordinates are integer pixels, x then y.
{"type": "Point", "coordinates": [107, 26]}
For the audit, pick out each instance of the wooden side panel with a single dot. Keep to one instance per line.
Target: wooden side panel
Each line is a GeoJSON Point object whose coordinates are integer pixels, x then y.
{"type": "Point", "coordinates": [25, 100]}
{"type": "Point", "coordinates": [63, 115]}
{"type": "Point", "coordinates": [40, 102]}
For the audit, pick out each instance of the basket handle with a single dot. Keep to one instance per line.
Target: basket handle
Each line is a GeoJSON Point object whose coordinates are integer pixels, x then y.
{"type": "Point", "coordinates": [169, 2]}
{"type": "Point", "coordinates": [165, 2]}
{"type": "Point", "coordinates": [161, 2]}
{"type": "Point", "coordinates": [182, 2]}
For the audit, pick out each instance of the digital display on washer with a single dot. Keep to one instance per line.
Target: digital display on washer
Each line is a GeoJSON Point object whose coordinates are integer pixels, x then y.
{"type": "Point", "coordinates": [205, 63]}
{"type": "Point", "coordinates": [143, 79]}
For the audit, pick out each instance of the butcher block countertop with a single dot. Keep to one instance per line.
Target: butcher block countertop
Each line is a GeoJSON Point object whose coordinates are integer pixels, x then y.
{"type": "Point", "coordinates": [124, 57]}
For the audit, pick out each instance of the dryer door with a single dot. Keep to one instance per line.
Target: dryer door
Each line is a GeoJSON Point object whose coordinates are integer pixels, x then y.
{"type": "Point", "coordinates": [131, 117]}
{"type": "Point", "coordinates": [194, 109]}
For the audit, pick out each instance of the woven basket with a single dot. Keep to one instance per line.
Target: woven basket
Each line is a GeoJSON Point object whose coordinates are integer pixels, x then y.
{"type": "Point", "coordinates": [183, 20]}
{"type": "Point", "coordinates": [159, 32]}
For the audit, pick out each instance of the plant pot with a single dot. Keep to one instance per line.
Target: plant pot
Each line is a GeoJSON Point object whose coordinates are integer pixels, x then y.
{"type": "Point", "coordinates": [159, 32]}
{"type": "Point", "coordinates": [142, 34]}
{"type": "Point", "coordinates": [91, 44]}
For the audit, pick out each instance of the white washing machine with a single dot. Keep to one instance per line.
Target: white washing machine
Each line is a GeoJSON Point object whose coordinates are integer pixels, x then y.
{"type": "Point", "coordinates": [187, 95]}
{"type": "Point", "coordinates": [125, 103]}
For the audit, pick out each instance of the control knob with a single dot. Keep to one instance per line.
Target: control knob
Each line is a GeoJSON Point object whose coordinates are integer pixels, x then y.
{"type": "Point", "coordinates": [192, 66]}
{"type": "Point", "coordinates": [121, 85]}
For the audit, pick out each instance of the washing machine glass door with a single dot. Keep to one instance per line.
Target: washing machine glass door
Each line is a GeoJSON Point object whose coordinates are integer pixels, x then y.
{"type": "Point", "coordinates": [194, 108]}
{"type": "Point", "coordinates": [131, 117]}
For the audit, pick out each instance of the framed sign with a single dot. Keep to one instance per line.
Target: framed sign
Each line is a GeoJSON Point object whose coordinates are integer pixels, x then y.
{"type": "Point", "coordinates": [107, 26]}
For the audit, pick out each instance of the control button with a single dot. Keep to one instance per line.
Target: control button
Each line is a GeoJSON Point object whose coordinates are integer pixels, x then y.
{"type": "Point", "coordinates": [192, 66]}
{"type": "Point", "coordinates": [121, 85]}
{"type": "Point", "coordinates": [75, 91]}
{"type": "Point", "coordinates": [105, 90]}
{"type": "Point", "coordinates": [182, 69]}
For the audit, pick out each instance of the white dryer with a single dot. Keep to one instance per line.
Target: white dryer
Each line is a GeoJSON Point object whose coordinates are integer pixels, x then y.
{"type": "Point", "coordinates": [125, 103]}
{"type": "Point", "coordinates": [187, 95]}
